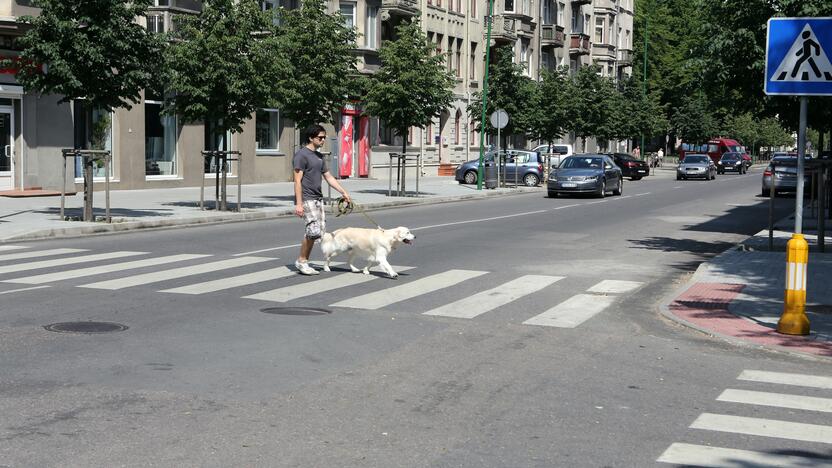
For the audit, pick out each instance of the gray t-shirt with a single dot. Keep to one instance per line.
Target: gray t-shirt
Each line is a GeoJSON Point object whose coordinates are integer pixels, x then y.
{"type": "Point", "coordinates": [313, 165]}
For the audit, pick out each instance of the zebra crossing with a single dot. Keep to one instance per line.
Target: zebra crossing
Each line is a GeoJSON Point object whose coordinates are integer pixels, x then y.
{"type": "Point", "coordinates": [792, 436]}
{"type": "Point", "coordinates": [273, 281]}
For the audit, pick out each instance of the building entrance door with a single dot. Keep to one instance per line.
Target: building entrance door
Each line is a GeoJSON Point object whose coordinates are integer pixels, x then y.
{"type": "Point", "coordinates": [6, 148]}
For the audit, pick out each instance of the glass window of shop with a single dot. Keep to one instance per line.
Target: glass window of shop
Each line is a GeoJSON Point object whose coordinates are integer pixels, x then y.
{"type": "Point", "coordinates": [267, 130]}
{"type": "Point", "coordinates": [159, 139]}
{"type": "Point", "coordinates": [216, 140]}
{"type": "Point", "coordinates": [99, 131]}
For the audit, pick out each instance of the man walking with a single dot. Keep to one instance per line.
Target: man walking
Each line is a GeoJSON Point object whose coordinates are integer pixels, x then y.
{"type": "Point", "coordinates": [310, 166]}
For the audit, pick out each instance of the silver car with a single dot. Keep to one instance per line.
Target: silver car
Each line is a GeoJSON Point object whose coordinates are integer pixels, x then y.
{"type": "Point", "coordinates": [586, 173]}
{"type": "Point", "coordinates": [785, 174]}
{"type": "Point", "coordinates": [696, 166]}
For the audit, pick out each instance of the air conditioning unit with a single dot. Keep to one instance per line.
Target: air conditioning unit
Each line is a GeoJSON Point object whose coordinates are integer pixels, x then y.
{"type": "Point", "coordinates": [156, 24]}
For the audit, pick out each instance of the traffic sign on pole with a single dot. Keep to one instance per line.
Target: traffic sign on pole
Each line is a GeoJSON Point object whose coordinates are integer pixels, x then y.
{"type": "Point", "coordinates": [798, 52]}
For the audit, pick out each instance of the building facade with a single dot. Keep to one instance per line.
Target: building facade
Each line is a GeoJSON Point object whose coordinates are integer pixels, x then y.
{"type": "Point", "coordinates": [154, 151]}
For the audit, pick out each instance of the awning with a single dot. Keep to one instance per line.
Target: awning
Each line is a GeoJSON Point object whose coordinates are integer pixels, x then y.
{"type": "Point", "coordinates": [11, 91]}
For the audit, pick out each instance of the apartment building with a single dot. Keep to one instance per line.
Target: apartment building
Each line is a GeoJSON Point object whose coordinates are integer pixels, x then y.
{"type": "Point", "coordinates": [152, 151]}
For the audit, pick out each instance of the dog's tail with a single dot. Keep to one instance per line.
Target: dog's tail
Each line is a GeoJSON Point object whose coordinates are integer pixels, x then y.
{"type": "Point", "coordinates": [327, 243]}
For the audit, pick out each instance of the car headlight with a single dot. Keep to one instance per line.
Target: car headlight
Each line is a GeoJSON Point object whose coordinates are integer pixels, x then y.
{"type": "Point", "coordinates": [720, 163]}
{"type": "Point", "coordinates": [591, 178]}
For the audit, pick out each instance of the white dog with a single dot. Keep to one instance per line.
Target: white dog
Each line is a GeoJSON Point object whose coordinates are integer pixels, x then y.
{"type": "Point", "coordinates": [372, 244]}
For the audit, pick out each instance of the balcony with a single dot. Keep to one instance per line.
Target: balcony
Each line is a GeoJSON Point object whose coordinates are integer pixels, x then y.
{"type": "Point", "coordinates": [581, 2]}
{"type": "Point", "coordinates": [602, 51]}
{"type": "Point", "coordinates": [503, 30]}
{"type": "Point", "coordinates": [625, 57]}
{"type": "Point", "coordinates": [579, 44]}
{"type": "Point", "coordinates": [552, 36]}
{"type": "Point", "coordinates": [185, 6]}
{"type": "Point", "coordinates": [399, 8]}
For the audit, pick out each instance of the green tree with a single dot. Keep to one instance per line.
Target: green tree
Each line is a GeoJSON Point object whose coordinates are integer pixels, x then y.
{"type": "Point", "coordinates": [412, 86]}
{"type": "Point", "coordinates": [321, 76]}
{"type": "Point", "coordinates": [643, 114]}
{"type": "Point", "coordinates": [693, 121]}
{"type": "Point", "coordinates": [90, 50]}
{"type": "Point", "coordinates": [510, 89]}
{"type": "Point", "coordinates": [591, 105]}
{"type": "Point", "coordinates": [742, 127]}
{"type": "Point", "coordinates": [223, 64]}
{"type": "Point", "coordinates": [549, 113]}
{"type": "Point", "coordinates": [772, 133]}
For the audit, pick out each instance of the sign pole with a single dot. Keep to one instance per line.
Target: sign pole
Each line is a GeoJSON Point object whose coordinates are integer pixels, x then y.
{"type": "Point", "coordinates": [485, 93]}
{"type": "Point", "coordinates": [801, 152]}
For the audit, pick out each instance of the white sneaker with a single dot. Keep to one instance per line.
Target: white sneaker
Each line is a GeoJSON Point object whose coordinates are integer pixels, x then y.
{"type": "Point", "coordinates": [305, 269]}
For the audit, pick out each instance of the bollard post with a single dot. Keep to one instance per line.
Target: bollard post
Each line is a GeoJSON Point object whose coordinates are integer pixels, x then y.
{"type": "Point", "coordinates": [794, 320]}
{"type": "Point", "coordinates": [822, 209]}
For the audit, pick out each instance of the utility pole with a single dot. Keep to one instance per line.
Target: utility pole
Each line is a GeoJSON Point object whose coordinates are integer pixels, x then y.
{"type": "Point", "coordinates": [480, 167]}
{"type": "Point", "coordinates": [644, 74]}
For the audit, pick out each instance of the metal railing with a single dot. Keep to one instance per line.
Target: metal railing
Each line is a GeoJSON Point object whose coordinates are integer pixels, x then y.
{"type": "Point", "coordinates": [89, 158]}
{"type": "Point", "coordinates": [221, 163]}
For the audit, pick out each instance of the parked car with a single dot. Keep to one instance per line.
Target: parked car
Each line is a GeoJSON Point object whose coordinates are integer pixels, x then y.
{"type": "Point", "coordinates": [696, 166]}
{"type": "Point", "coordinates": [586, 173]}
{"type": "Point", "coordinates": [784, 174]}
{"type": "Point", "coordinates": [524, 166]}
{"type": "Point", "coordinates": [553, 155]}
{"type": "Point", "coordinates": [631, 167]}
{"type": "Point", "coordinates": [731, 162]}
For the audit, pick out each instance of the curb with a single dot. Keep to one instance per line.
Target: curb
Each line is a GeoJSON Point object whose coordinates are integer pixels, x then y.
{"type": "Point", "coordinates": [664, 309]}
{"type": "Point", "coordinates": [231, 217]}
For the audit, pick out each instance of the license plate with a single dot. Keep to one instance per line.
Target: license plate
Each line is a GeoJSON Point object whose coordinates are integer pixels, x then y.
{"type": "Point", "coordinates": [568, 185]}
{"type": "Point", "coordinates": [641, 171]}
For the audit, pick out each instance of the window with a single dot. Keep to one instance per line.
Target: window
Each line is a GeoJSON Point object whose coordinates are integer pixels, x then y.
{"type": "Point", "coordinates": [267, 130]}
{"type": "Point", "coordinates": [599, 30]}
{"type": "Point", "coordinates": [371, 28]}
{"type": "Point", "coordinates": [458, 59]}
{"type": "Point", "coordinates": [561, 9]}
{"type": "Point", "coordinates": [457, 118]}
{"type": "Point", "coordinates": [276, 5]}
{"type": "Point", "coordinates": [100, 137]}
{"type": "Point", "coordinates": [577, 26]}
{"type": "Point", "coordinates": [508, 7]}
{"type": "Point", "coordinates": [159, 139]}
{"type": "Point", "coordinates": [548, 15]}
{"type": "Point", "coordinates": [450, 58]}
{"type": "Point", "coordinates": [472, 74]}
{"type": "Point", "coordinates": [215, 140]}
{"type": "Point", "coordinates": [525, 55]}
{"type": "Point", "coordinates": [473, 8]}
{"type": "Point", "coordinates": [348, 13]}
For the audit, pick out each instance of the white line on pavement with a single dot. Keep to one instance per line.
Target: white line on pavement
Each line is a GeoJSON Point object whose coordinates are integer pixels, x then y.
{"type": "Point", "coordinates": [764, 427]}
{"type": "Point", "coordinates": [642, 194]}
{"type": "Point", "coordinates": [480, 220]}
{"type": "Point", "coordinates": [780, 400]}
{"type": "Point", "coordinates": [65, 261]}
{"type": "Point", "coordinates": [428, 284]}
{"type": "Point", "coordinates": [12, 247]}
{"type": "Point", "coordinates": [567, 206]}
{"type": "Point", "coordinates": [488, 300]}
{"type": "Point", "coordinates": [265, 250]}
{"type": "Point", "coordinates": [615, 287]}
{"type": "Point", "coordinates": [328, 283]}
{"type": "Point", "coordinates": [719, 457]}
{"type": "Point", "coordinates": [23, 289]}
{"type": "Point", "coordinates": [572, 312]}
{"type": "Point", "coordinates": [39, 253]}
{"type": "Point", "coordinates": [802, 380]}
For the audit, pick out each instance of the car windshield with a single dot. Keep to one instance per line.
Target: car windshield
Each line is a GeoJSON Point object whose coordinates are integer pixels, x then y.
{"type": "Point", "coordinates": [695, 159]}
{"type": "Point", "coordinates": [730, 157]}
{"type": "Point", "coordinates": [582, 163]}
{"type": "Point", "coordinates": [734, 148]}
{"type": "Point", "coordinates": [625, 157]}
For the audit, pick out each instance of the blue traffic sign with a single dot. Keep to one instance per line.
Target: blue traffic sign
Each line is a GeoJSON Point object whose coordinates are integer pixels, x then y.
{"type": "Point", "coordinates": [798, 52]}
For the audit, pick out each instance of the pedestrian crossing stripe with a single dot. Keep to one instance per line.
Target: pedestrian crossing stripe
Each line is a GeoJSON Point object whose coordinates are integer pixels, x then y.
{"type": "Point", "coordinates": [805, 61]}
{"type": "Point", "coordinates": [488, 300]}
{"type": "Point", "coordinates": [720, 457]}
{"type": "Point", "coordinates": [38, 253]}
{"type": "Point", "coordinates": [764, 427]}
{"type": "Point", "coordinates": [787, 378]}
{"type": "Point", "coordinates": [11, 247]}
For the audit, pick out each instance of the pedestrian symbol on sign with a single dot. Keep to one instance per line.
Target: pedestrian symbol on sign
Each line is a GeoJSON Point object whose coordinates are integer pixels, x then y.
{"type": "Point", "coordinates": [805, 61]}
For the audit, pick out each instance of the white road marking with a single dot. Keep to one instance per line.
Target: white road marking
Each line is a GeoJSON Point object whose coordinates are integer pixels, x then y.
{"type": "Point", "coordinates": [780, 400]}
{"type": "Point", "coordinates": [572, 312]}
{"type": "Point", "coordinates": [802, 380]}
{"type": "Point", "coordinates": [164, 275]}
{"type": "Point", "coordinates": [480, 220]}
{"type": "Point", "coordinates": [309, 288]}
{"type": "Point", "coordinates": [491, 299]}
{"type": "Point", "coordinates": [566, 206]}
{"type": "Point", "coordinates": [266, 250]}
{"type": "Point", "coordinates": [615, 287]}
{"type": "Point", "coordinates": [677, 186]}
{"type": "Point", "coordinates": [236, 281]}
{"type": "Point", "coordinates": [411, 289]}
{"type": "Point", "coordinates": [719, 457]}
{"type": "Point", "coordinates": [12, 247]}
{"type": "Point", "coordinates": [764, 427]}
{"type": "Point", "coordinates": [642, 194]}
{"type": "Point", "coordinates": [39, 253]}
{"type": "Point", "coordinates": [65, 261]}
{"type": "Point", "coordinates": [23, 289]}
{"type": "Point", "coordinates": [597, 202]}
{"type": "Point", "coordinates": [97, 270]}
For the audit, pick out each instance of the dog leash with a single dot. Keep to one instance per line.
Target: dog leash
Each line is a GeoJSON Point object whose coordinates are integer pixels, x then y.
{"type": "Point", "coordinates": [345, 207]}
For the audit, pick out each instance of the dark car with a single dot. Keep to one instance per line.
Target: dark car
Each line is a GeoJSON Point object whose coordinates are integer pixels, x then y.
{"type": "Point", "coordinates": [731, 162]}
{"type": "Point", "coordinates": [526, 167]}
{"type": "Point", "coordinates": [586, 173]}
{"type": "Point", "coordinates": [631, 167]}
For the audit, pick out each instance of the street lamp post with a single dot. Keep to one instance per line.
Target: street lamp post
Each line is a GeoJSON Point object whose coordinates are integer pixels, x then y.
{"type": "Point", "coordinates": [644, 76]}
{"type": "Point", "coordinates": [485, 94]}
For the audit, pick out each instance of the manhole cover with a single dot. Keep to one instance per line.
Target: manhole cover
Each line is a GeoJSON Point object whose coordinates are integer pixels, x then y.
{"type": "Point", "coordinates": [86, 327]}
{"type": "Point", "coordinates": [295, 311]}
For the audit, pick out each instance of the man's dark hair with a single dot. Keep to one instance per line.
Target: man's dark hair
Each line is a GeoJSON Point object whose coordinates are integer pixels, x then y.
{"type": "Point", "coordinates": [312, 131]}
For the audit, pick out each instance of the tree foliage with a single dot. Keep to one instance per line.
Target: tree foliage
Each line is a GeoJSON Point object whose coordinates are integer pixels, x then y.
{"type": "Point", "coordinates": [320, 77]}
{"type": "Point", "coordinates": [592, 104]}
{"type": "Point", "coordinates": [412, 86]}
{"type": "Point", "coordinates": [91, 49]}
{"type": "Point", "coordinates": [693, 120]}
{"type": "Point", "coordinates": [550, 110]}
{"type": "Point", "coordinates": [223, 64]}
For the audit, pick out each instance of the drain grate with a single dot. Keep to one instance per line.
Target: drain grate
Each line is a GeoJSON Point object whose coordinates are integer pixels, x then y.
{"type": "Point", "coordinates": [86, 327]}
{"type": "Point", "coordinates": [295, 311]}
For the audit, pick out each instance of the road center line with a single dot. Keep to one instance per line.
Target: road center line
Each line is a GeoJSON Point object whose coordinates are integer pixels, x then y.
{"type": "Point", "coordinates": [642, 194]}
{"type": "Point", "coordinates": [567, 206]}
{"type": "Point", "coordinates": [480, 220]}
{"type": "Point", "coordinates": [24, 289]}
{"type": "Point", "coordinates": [265, 250]}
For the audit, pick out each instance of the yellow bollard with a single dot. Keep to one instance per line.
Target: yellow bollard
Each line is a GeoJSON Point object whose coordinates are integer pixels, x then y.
{"type": "Point", "coordinates": [794, 320]}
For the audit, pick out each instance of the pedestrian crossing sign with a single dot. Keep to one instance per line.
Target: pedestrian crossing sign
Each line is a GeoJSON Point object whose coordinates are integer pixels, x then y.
{"type": "Point", "coordinates": [798, 52]}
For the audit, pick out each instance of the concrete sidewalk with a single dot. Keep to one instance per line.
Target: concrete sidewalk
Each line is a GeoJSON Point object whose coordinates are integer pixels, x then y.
{"type": "Point", "coordinates": [738, 295]}
{"type": "Point", "coordinates": [32, 218]}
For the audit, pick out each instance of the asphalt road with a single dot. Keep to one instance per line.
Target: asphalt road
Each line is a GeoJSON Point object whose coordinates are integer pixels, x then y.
{"type": "Point", "coordinates": [206, 376]}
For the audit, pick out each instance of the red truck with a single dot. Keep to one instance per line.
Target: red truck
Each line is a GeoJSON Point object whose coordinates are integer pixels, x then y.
{"type": "Point", "coordinates": [715, 148]}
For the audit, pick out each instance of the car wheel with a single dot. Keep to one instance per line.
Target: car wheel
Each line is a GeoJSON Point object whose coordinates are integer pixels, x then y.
{"type": "Point", "coordinates": [552, 194]}
{"type": "Point", "coordinates": [470, 177]}
{"type": "Point", "coordinates": [603, 191]}
{"type": "Point", "coordinates": [766, 193]}
{"type": "Point", "coordinates": [713, 176]}
{"type": "Point", "coordinates": [678, 177]}
{"type": "Point", "coordinates": [620, 189]}
{"type": "Point", "coordinates": [531, 180]}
